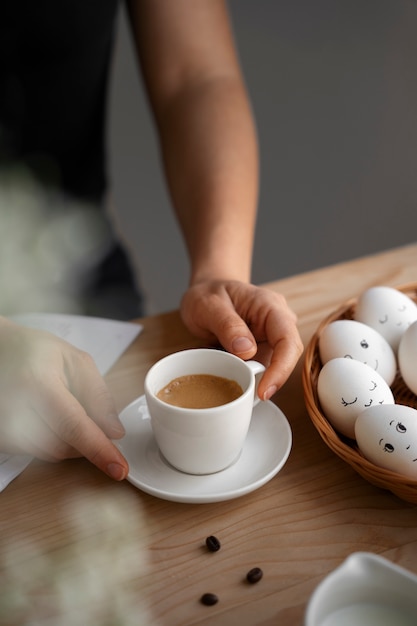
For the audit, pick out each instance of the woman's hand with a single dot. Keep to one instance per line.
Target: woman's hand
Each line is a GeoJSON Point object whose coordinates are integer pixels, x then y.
{"type": "Point", "coordinates": [246, 320]}
{"type": "Point", "coordinates": [54, 403]}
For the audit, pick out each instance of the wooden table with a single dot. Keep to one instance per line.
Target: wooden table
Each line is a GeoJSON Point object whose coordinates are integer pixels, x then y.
{"type": "Point", "coordinates": [73, 540]}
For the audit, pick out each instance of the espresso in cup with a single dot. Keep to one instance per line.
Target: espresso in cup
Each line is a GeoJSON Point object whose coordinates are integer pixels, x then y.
{"type": "Point", "coordinates": [202, 438]}
{"type": "Point", "coordinates": [200, 391]}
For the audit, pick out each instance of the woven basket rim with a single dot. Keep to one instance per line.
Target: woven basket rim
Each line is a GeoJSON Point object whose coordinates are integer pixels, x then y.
{"type": "Point", "coordinates": [347, 450]}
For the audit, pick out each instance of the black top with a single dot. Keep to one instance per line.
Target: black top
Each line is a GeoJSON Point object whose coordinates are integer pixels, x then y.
{"type": "Point", "coordinates": [54, 69]}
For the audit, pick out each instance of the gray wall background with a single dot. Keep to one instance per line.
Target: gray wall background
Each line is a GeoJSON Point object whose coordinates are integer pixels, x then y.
{"type": "Point", "coordinates": [334, 91]}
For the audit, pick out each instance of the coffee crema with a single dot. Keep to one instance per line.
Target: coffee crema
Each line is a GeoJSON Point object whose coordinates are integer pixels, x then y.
{"type": "Point", "coordinates": [200, 391]}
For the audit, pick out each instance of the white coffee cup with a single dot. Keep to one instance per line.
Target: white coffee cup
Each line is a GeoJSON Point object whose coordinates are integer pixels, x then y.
{"type": "Point", "coordinates": [203, 440]}
{"type": "Point", "coordinates": [365, 589]}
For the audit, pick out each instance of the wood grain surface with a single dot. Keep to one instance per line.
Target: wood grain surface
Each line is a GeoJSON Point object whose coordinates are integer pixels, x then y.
{"type": "Point", "coordinates": [77, 548]}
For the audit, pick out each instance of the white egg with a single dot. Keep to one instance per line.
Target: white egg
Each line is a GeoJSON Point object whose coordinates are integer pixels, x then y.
{"type": "Point", "coordinates": [407, 357]}
{"type": "Point", "coordinates": [345, 388]}
{"type": "Point", "coordinates": [388, 310]}
{"type": "Point", "coordinates": [387, 436]}
{"type": "Point", "coordinates": [355, 340]}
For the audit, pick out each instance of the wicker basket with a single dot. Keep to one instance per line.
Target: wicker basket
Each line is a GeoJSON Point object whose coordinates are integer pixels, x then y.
{"type": "Point", "coordinates": [346, 449]}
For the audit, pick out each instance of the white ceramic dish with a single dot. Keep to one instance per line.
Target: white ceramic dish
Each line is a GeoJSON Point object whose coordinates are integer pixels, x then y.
{"type": "Point", "coordinates": [265, 452]}
{"type": "Point", "coordinates": [366, 590]}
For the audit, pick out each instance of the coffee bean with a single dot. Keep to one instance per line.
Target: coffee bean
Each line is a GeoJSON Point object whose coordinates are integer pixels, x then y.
{"type": "Point", "coordinates": [212, 543]}
{"type": "Point", "coordinates": [209, 599]}
{"type": "Point", "coordinates": [254, 575]}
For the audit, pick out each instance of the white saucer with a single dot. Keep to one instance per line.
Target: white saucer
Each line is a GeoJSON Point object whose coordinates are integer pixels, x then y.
{"type": "Point", "coordinates": [265, 452]}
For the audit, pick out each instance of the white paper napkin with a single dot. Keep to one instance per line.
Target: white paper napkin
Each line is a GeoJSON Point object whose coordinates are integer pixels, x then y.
{"type": "Point", "coordinates": [104, 339]}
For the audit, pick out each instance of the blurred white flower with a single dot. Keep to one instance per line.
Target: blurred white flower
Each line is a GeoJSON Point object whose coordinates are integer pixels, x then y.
{"type": "Point", "coordinates": [47, 245]}
{"type": "Point", "coordinates": [96, 577]}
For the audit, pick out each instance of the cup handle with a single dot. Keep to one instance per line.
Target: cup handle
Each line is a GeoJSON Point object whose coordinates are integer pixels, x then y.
{"type": "Point", "coordinates": [258, 369]}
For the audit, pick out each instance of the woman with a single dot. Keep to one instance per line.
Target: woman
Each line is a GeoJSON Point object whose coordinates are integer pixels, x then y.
{"type": "Point", "coordinates": [209, 151]}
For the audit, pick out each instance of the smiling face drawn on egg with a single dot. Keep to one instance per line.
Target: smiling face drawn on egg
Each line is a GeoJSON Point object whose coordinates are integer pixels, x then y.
{"type": "Point", "coordinates": [371, 390]}
{"type": "Point", "coordinates": [366, 399]}
{"type": "Point", "coordinates": [395, 318]}
{"type": "Point", "coordinates": [346, 387]}
{"type": "Point", "coordinates": [353, 340]}
{"type": "Point", "coordinates": [387, 436]}
{"type": "Point", "coordinates": [389, 311]}
{"type": "Point", "coordinates": [399, 446]}
{"type": "Point", "coordinates": [394, 323]}
{"type": "Point", "coordinates": [372, 361]}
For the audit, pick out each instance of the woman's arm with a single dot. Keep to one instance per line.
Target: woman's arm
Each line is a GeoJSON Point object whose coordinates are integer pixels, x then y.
{"type": "Point", "coordinates": [210, 154]}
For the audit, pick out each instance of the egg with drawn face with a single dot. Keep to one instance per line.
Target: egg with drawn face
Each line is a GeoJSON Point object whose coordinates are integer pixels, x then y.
{"type": "Point", "coordinates": [345, 388]}
{"type": "Point", "coordinates": [407, 357]}
{"type": "Point", "coordinates": [354, 340]}
{"type": "Point", "coordinates": [388, 311]}
{"type": "Point", "coordinates": [387, 436]}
